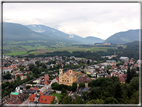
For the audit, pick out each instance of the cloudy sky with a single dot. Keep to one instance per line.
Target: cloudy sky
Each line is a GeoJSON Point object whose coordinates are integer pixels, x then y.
{"type": "Point", "coordinates": [84, 19]}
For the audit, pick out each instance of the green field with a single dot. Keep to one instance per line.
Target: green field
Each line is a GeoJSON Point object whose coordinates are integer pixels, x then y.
{"type": "Point", "coordinates": [17, 53]}
{"type": "Point", "coordinates": [32, 53]}
{"type": "Point", "coordinates": [38, 47]}
{"type": "Point", "coordinates": [58, 96]}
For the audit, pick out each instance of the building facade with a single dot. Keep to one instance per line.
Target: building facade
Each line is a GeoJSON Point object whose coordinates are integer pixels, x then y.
{"type": "Point", "coordinates": [67, 78]}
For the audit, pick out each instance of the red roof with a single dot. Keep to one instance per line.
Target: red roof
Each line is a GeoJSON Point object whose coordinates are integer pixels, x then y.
{"type": "Point", "coordinates": [73, 73]}
{"type": "Point", "coordinates": [29, 71]}
{"type": "Point", "coordinates": [45, 99]}
{"type": "Point", "coordinates": [113, 73]}
{"type": "Point", "coordinates": [79, 72]}
{"type": "Point", "coordinates": [124, 76]}
{"type": "Point", "coordinates": [46, 77]}
{"type": "Point", "coordinates": [46, 83]}
{"type": "Point", "coordinates": [19, 75]}
{"type": "Point", "coordinates": [131, 60]}
{"type": "Point", "coordinates": [57, 79]}
{"type": "Point", "coordinates": [33, 88]}
{"type": "Point", "coordinates": [114, 66]}
{"type": "Point", "coordinates": [42, 99]}
{"type": "Point", "coordinates": [108, 76]}
{"type": "Point", "coordinates": [32, 97]}
{"type": "Point", "coordinates": [121, 79]}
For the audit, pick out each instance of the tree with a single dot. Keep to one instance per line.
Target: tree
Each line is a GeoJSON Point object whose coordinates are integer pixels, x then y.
{"type": "Point", "coordinates": [37, 63]}
{"type": "Point", "coordinates": [85, 95]}
{"type": "Point", "coordinates": [117, 90]}
{"type": "Point", "coordinates": [134, 84]}
{"type": "Point", "coordinates": [31, 66]}
{"type": "Point", "coordinates": [67, 100]}
{"type": "Point", "coordinates": [35, 70]}
{"type": "Point", "coordinates": [53, 101]}
{"type": "Point", "coordinates": [81, 85]}
{"type": "Point", "coordinates": [18, 78]}
{"type": "Point", "coordinates": [21, 68]}
{"type": "Point", "coordinates": [55, 86]}
{"type": "Point", "coordinates": [95, 92]}
{"type": "Point", "coordinates": [27, 87]}
{"type": "Point", "coordinates": [97, 101]}
{"type": "Point", "coordinates": [74, 86]}
{"type": "Point", "coordinates": [63, 91]}
{"type": "Point", "coordinates": [134, 98]}
{"type": "Point", "coordinates": [133, 72]}
{"type": "Point", "coordinates": [77, 100]}
{"type": "Point", "coordinates": [44, 66]}
{"type": "Point", "coordinates": [111, 100]}
{"type": "Point", "coordinates": [128, 75]}
{"type": "Point", "coordinates": [69, 88]}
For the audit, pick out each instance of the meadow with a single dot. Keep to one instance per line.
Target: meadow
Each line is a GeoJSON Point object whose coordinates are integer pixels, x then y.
{"type": "Point", "coordinates": [40, 47]}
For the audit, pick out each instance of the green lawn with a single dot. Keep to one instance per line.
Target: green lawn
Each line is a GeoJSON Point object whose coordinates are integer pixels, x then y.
{"type": "Point", "coordinates": [58, 96]}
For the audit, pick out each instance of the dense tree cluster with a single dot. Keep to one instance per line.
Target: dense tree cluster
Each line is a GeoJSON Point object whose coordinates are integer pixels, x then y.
{"type": "Point", "coordinates": [108, 91]}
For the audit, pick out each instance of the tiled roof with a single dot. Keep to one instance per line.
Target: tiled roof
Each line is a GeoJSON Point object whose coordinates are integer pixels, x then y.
{"type": "Point", "coordinates": [32, 97]}
{"type": "Point", "coordinates": [73, 73]}
{"type": "Point", "coordinates": [124, 76]}
{"type": "Point", "coordinates": [121, 79]}
{"type": "Point", "coordinates": [113, 73]}
{"type": "Point", "coordinates": [57, 79]}
{"type": "Point", "coordinates": [33, 88]}
{"type": "Point", "coordinates": [42, 99]}
{"type": "Point", "coordinates": [19, 75]}
{"type": "Point", "coordinates": [46, 77]}
{"type": "Point", "coordinates": [46, 83]}
{"type": "Point", "coordinates": [45, 99]}
{"type": "Point", "coordinates": [108, 76]}
{"type": "Point", "coordinates": [83, 79]}
{"type": "Point", "coordinates": [15, 101]}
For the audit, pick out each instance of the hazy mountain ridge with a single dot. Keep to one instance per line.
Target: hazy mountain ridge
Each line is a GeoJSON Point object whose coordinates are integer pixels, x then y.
{"type": "Point", "coordinates": [123, 37]}
{"type": "Point", "coordinates": [18, 32]}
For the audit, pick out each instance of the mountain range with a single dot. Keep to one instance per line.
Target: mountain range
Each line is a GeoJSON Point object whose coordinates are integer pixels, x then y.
{"type": "Point", "coordinates": [123, 37]}
{"type": "Point", "coordinates": [18, 32]}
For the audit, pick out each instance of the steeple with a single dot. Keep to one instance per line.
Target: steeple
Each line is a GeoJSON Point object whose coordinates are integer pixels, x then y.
{"type": "Point", "coordinates": [61, 66]}
{"type": "Point", "coordinates": [70, 66]}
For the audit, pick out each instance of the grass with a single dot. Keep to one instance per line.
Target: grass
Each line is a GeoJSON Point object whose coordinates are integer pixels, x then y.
{"type": "Point", "coordinates": [32, 53]}
{"type": "Point", "coordinates": [58, 96]}
{"type": "Point", "coordinates": [17, 53]}
{"type": "Point", "coordinates": [81, 58]}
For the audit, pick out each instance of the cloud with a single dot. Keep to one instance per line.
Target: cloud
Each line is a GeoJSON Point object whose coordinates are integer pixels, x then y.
{"type": "Point", "coordinates": [84, 19]}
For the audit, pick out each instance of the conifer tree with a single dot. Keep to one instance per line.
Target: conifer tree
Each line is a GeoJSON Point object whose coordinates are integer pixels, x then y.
{"type": "Point", "coordinates": [128, 75]}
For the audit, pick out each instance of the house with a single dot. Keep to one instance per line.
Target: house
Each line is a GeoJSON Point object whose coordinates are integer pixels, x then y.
{"type": "Point", "coordinates": [83, 79]}
{"type": "Point", "coordinates": [131, 61]}
{"type": "Point", "coordinates": [40, 98]}
{"type": "Point", "coordinates": [19, 89]}
{"type": "Point", "coordinates": [113, 74]}
{"type": "Point", "coordinates": [16, 98]}
{"type": "Point", "coordinates": [124, 59]}
{"type": "Point", "coordinates": [46, 77]}
{"type": "Point", "coordinates": [122, 80]}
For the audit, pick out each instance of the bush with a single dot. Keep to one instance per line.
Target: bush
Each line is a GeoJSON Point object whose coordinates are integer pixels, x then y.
{"type": "Point", "coordinates": [27, 87]}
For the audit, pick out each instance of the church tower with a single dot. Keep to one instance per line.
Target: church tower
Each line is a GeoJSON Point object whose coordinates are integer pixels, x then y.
{"type": "Point", "coordinates": [60, 73]}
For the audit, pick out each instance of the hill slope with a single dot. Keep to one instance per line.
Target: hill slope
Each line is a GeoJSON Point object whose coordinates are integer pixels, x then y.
{"type": "Point", "coordinates": [18, 32]}
{"type": "Point", "coordinates": [123, 37]}
{"type": "Point", "coordinates": [59, 34]}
